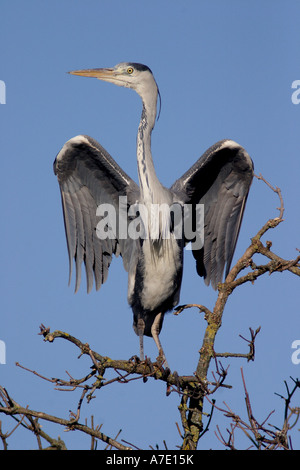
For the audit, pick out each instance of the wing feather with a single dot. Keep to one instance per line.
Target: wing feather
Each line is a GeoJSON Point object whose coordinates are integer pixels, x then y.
{"type": "Point", "coordinates": [220, 180]}
{"type": "Point", "coordinates": [88, 176]}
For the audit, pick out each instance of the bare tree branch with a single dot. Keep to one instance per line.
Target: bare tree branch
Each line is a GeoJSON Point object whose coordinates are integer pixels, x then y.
{"type": "Point", "coordinates": [261, 435]}
{"type": "Point", "coordinates": [14, 409]}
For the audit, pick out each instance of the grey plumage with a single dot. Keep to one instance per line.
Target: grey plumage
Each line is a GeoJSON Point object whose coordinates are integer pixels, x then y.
{"type": "Point", "coordinates": [89, 177]}
{"type": "Point", "coordinates": [220, 180]}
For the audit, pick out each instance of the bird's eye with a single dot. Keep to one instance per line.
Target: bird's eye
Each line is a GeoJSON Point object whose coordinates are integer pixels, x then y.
{"type": "Point", "coordinates": [129, 70]}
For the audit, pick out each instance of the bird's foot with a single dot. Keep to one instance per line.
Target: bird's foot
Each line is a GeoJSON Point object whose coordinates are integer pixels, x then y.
{"type": "Point", "coordinates": [162, 360]}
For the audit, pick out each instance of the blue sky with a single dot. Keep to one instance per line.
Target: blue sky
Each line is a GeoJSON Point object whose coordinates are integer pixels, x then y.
{"type": "Point", "coordinates": [225, 70]}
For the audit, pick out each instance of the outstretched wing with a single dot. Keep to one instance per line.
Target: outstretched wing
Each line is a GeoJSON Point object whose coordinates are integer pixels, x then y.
{"type": "Point", "coordinates": [89, 177]}
{"type": "Point", "coordinates": [220, 180]}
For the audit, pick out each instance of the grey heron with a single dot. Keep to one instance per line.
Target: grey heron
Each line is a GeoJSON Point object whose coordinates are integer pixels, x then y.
{"type": "Point", "coordinates": [89, 177]}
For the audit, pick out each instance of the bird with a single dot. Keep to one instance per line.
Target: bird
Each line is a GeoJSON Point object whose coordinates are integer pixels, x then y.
{"type": "Point", "coordinates": [99, 198]}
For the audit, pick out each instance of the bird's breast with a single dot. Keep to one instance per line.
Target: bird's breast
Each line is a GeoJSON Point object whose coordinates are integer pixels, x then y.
{"type": "Point", "coordinates": [159, 274]}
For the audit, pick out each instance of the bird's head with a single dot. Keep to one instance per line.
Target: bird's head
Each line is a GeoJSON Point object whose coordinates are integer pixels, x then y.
{"type": "Point", "coordinates": [127, 74]}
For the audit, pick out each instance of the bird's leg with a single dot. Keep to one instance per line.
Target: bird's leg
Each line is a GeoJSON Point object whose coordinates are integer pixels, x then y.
{"type": "Point", "coordinates": [155, 335]}
{"type": "Point", "coordinates": [141, 329]}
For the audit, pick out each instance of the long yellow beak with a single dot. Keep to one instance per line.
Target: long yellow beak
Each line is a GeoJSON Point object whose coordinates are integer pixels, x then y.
{"type": "Point", "coordinates": [102, 74]}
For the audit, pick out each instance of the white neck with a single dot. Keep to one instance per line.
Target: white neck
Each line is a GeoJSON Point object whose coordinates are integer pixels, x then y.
{"type": "Point", "coordinates": [149, 182]}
